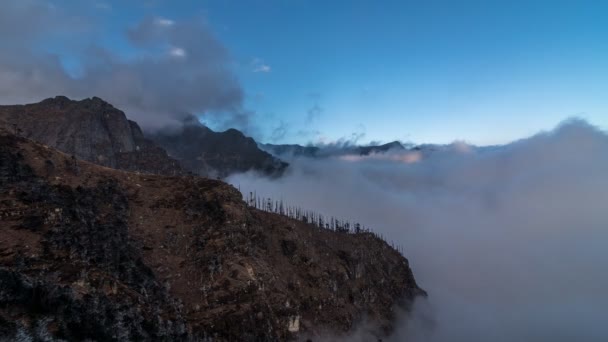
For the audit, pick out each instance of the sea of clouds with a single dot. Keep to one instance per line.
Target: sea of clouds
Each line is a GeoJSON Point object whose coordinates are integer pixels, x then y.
{"type": "Point", "coordinates": [510, 242]}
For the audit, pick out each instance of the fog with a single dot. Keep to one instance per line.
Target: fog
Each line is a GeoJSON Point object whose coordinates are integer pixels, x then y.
{"type": "Point", "coordinates": [510, 242]}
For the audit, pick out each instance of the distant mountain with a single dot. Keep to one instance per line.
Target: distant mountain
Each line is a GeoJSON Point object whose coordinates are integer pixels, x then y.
{"type": "Point", "coordinates": [392, 146]}
{"type": "Point", "coordinates": [294, 150]}
{"type": "Point", "coordinates": [216, 154]}
{"type": "Point", "coordinates": [291, 150]}
{"type": "Point", "coordinates": [92, 130]}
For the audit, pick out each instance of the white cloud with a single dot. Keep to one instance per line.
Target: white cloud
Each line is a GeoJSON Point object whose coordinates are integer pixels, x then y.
{"type": "Point", "coordinates": [177, 52]}
{"type": "Point", "coordinates": [164, 22]}
{"type": "Point", "coordinates": [258, 65]}
{"type": "Point", "coordinates": [262, 68]}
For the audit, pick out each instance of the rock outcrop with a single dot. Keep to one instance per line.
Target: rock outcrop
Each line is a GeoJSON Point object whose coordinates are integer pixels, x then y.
{"type": "Point", "coordinates": [88, 252]}
{"type": "Point", "coordinates": [91, 129]}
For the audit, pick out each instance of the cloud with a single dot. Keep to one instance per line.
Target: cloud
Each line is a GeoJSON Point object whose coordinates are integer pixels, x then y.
{"type": "Point", "coordinates": [314, 113]}
{"type": "Point", "coordinates": [258, 65]}
{"type": "Point", "coordinates": [509, 241]}
{"type": "Point", "coordinates": [316, 110]}
{"type": "Point", "coordinates": [279, 132]}
{"type": "Point", "coordinates": [177, 52]}
{"type": "Point", "coordinates": [177, 67]}
{"type": "Point", "coordinates": [342, 144]}
{"type": "Point", "coordinates": [163, 22]}
{"type": "Point", "coordinates": [23, 22]}
{"type": "Point", "coordinates": [309, 133]}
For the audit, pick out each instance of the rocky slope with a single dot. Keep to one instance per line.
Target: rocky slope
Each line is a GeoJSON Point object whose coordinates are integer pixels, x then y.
{"type": "Point", "coordinates": [216, 154]}
{"type": "Point", "coordinates": [94, 130]}
{"type": "Point", "coordinates": [91, 129]}
{"type": "Point", "coordinates": [88, 252]}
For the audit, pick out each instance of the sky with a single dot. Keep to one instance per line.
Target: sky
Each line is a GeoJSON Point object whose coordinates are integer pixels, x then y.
{"type": "Point", "coordinates": [487, 72]}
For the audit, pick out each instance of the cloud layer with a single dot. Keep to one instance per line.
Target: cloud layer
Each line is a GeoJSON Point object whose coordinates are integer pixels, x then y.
{"type": "Point", "coordinates": [174, 68]}
{"type": "Point", "coordinates": [510, 242]}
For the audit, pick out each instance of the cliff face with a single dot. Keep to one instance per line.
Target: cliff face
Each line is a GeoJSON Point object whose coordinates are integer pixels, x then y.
{"type": "Point", "coordinates": [208, 153]}
{"type": "Point", "coordinates": [90, 129]}
{"type": "Point", "coordinates": [91, 252]}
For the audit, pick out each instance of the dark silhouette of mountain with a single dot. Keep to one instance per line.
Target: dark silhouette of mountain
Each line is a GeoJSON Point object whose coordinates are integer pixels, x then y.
{"type": "Point", "coordinates": [92, 130]}
{"type": "Point", "coordinates": [216, 154]}
{"type": "Point", "coordinates": [294, 150]}
{"type": "Point", "coordinates": [92, 253]}
{"type": "Point", "coordinates": [392, 146]}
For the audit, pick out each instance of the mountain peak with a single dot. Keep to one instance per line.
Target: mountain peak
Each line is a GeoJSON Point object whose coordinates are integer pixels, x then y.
{"type": "Point", "coordinates": [90, 129]}
{"type": "Point", "coordinates": [61, 101]}
{"type": "Point", "coordinates": [209, 153]}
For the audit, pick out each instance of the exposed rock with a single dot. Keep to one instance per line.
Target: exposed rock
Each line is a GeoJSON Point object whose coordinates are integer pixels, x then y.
{"type": "Point", "coordinates": [91, 129]}
{"type": "Point", "coordinates": [88, 252]}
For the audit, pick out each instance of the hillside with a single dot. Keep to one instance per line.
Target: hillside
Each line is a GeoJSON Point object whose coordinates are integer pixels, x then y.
{"type": "Point", "coordinates": [217, 154]}
{"type": "Point", "coordinates": [89, 252]}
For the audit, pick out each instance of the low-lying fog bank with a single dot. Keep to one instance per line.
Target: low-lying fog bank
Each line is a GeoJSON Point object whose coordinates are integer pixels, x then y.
{"type": "Point", "coordinates": [511, 243]}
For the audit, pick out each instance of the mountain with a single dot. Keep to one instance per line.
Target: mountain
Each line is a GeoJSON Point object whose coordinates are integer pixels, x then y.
{"type": "Point", "coordinates": [92, 253]}
{"type": "Point", "coordinates": [216, 154]}
{"type": "Point", "coordinates": [95, 131]}
{"type": "Point", "coordinates": [294, 150]}
{"type": "Point", "coordinates": [392, 146]}
{"type": "Point", "coordinates": [92, 130]}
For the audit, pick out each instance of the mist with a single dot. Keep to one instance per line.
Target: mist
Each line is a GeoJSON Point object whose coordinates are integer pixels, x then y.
{"type": "Point", "coordinates": [509, 242]}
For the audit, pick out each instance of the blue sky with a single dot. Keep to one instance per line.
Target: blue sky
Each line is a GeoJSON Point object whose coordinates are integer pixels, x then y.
{"type": "Point", "coordinates": [423, 71]}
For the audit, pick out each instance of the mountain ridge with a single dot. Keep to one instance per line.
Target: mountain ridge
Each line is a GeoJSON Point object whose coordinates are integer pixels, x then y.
{"type": "Point", "coordinates": [90, 129]}
{"type": "Point", "coordinates": [116, 255]}
{"type": "Point", "coordinates": [93, 130]}
{"type": "Point", "coordinates": [312, 151]}
{"type": "Point", "coordinates": [216, 154]}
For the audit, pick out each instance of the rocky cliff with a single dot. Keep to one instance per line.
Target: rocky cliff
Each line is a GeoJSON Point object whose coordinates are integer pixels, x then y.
{"type": "Point", "coordinates": [91, 129]}
{"type": "Point", "coordinates": [88, 252]}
